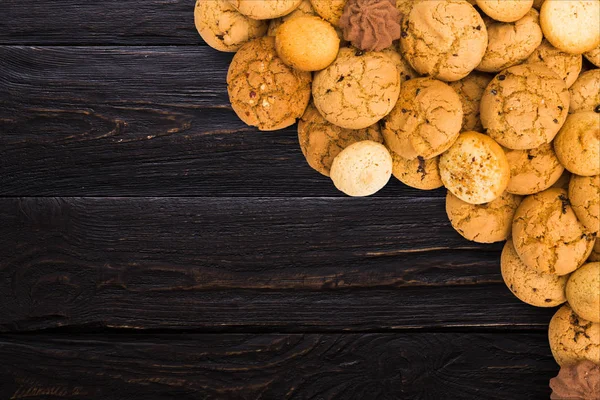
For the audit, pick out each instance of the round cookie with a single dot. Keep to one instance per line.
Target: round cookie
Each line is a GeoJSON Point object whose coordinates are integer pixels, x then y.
{"type": "Point", "coordinates": [485, 223]}
{"type": "Point", "coordinates": [404, 69]}
{"type": "Point", "coordinates": [264, 92]}
{"type": "Point", "coordinates": [573, 339]}
{"type": "Point", "coordinates": [595, 254]}
{"type": "Point", "coordinates": [593, 56]}
{"type": "Point", "coordinates": [584, 194]}
{"type": "Point", "coordinates": [583, 291]}
{"type": "Point", "coordinates": [417, 173]}
{"type": "Point", "coordinates": [577, 145]}
{"type": "Point", "coordinates": [585, 92]}
{"type": "Point", "coordinates": [362, 169]}
{"type": "Point", "coordinates": [304, 9]}
{"type": "Point", "coordinates": [321, 141]}
{"type": "Point", "coordinates": [357, 89]}
{"type": "Point", "coordinates": [425, 121]}
{"type": "Point", "coordinates": [445, 39]}
{"type": "Point", "coordinates": [524, 106]}
{"type": "Point", "coordinates": [470, 89]}
{"type": "Point", "coordinates": [330, 10]}
{"type": "Point", "coordinates": [265, 9]}
{"type": "Point", "coordinates": [534, 170]}
{"type": "Point", "coordinates": [475, 168]}
{"type": "Point", "coordinates": [565, 65]}
{"type": "Point", "coordinates": [530, 286]}
{"type": "Point", "coordinates": [571, 26]}
{"type": "Point", "coordinates": [505, 10]}
{"type": "Point", "coordinates": [222, 27]}
{"type": "Point", "coordinates": [547, 234]}
{"type": "Point", "coordinates": [511, 43]}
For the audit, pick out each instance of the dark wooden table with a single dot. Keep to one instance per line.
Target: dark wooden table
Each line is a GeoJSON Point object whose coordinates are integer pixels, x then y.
{"type": "Point", "coordinates": [152, 246]}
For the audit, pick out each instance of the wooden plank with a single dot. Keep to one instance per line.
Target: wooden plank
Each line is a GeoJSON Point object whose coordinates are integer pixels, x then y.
{"type": "Point", "coordinates": [140, 121]}
{"type": "Point", "coordinates": [247, 263]}
{"type": "Point", "coordinates": [275, 366]}
{"type": "Point", "coordinates": [98, 22]}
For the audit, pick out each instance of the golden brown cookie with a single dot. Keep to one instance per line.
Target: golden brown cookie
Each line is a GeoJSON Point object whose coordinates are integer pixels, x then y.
{"type": "Point", "coordinates": [572, 338]}
{"type": "Point", "coordinates": [330, 10]}
{"type": "Point", "coordinates": [571, 26]}
{"type": "Point", "coordinates": [445, 39]}
{"type": "Point", "coordinates": [265, 9]}
{"type": "Point", "coordinates": [584, 194]}
{"type": "Point", "coordinates": [505, 10]}
{"type": "Point", "coordinates": [565, 65]}
{"type": "Point", "coordinates": [357, 89]}
{"type": "Point", "coordinates": [484, 223]}
{"type": "Point", "coordinates": [593, 56]}
{"type": "Point", "coordinates": [524, 106]}
{"type": "Point", "coordinates": [304, 9]}
{"type": "Point", "coordinates": [362, 169]}
{"type": "Point", "coordinates": [425, 121]}
{"type": "Point", "coordinates": [583, 291]}
{"type": "Point", "coordinates": [475, 168]}
{"type": "Point", "coordinates": [264, 92]}
{"type": "Point", "coordinates": [530, 286]}
{"type": "Point", "coordinates": [470, 89]}
{"type": "Point", "coordinates": [547, 234]}
{"type": "Point", "coordinates": [577, 145]}
{"type": "Point", "coordinates": [511, 43]}
{"type": "Point", "coordinates": [595, 254]}
{"type": "Point", "coordinates": [404, 69]}
{"type": "Point", "coordinates": [222, 27]}
{"type": "Point", "coordinates": [534, 170]}
{"type": "Point", "coordinates": [418, 173]}
{"type": "Point", "coordinates": [322, 141]}
{"type": "Point", "coordinates": [585, 92]}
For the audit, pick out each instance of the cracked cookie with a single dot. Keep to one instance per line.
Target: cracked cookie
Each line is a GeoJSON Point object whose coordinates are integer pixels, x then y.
{"type": "Point", "coordinates": [585, 92]}
{"type": "Point", "coordinates": [484, 223]}
{"type": "Point", "coordinates": [470, 89]}
{"type": "Point", "coordinates": [584, 194]}
{"type": "Point", "coordinates": [330, 10]}
{"type": "Point", "coordinates": [583, 291]}
{"type": "Point", "coordinates": [404, 69]}
{"type": "Point", "coordinates": [573, 339]}
{"type": "Point", "coordinates": [505, 10]}
{"type": "Point", "coordinates": [475, 168]}
{"type": "Point", "coordinates": [304, 9]}
{"type": "Point", "coordinates": [265, 9]}
{"type": "Point", "coordinates": [547, 234]}
{"type": "Point", "coordinates": [362, 169]}
{"type": "Point", "coordinates": [577, 145]}
{"type": "Point", "coordinates": [425, 121]}
{"type": "Point", "coordinates": [443, 39]}
{"type": "Point", "coordinates": [417, 173]}
{"type": "Point", "coordinates": [571, 26]}
{"type": "Point", "coordinates": [264, 92]}
{"type": "Point", "coordinates": [321, 141]}
{"type": "Point", "coordinates": [593, 56]}
{"type": "Point", "coordinates": [524, 106]}
{"type": "Point", "coordinates": [533, 170]}
{"type": "Point", "coordinates": [528, 285]}
{"type": "Point", "coordinates": [357, 89]}
{"type": "Point", "coordinates": [565, 65]}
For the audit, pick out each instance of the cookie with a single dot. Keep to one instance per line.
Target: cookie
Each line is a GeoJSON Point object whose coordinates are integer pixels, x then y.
{"type": "Point", "coordinates": [547, 234]}
{"type": "Point", "coordinates": [362, 169]}
{"type": "Point", "coordinates": [404, 69]}
{"type": "Point", "coordinates": [571, 26]}
{"type": "Point", "coordinates": [585, 92]}
{"type": "Point", "coordinates": [533, 170]}
{"type": "Point", "coordinates": [524, 106]}
{"type": "Point", "coordinates": [417, 173]}
{"type": "Point", "coordinates": [530, 286]}
{"type": "Point", "coordinates": [425, 121]}
{"type": "Point", "coordinates": [565, 65]}
{"type": "Point", "coordinates": [321, 141]}
{"type": "Point", "coordinates": [572, 338]}
{"type": "Point", "coordinates": [222, 27]}
{"type": "Point", "coordinates": [357, 89]}
{"type": "Point", "coordinates": [511, 43]}
{"type": "Point", "coordinates": [265, 9]}
{"type": "Point", "coordinates": [304, 9]}
{"type": "Point", "coordinates": [584, 194]}
{"type": "Point", "coordinates": [577, 145]}
{"type": "Point", "coordinates": [470, 89]}
{"type": "Point", "coordinates": [583, 291]}
{"type": "Point", "coordinates": [330, 10]}
{"type": "Point", "coordinates": [593, 56]}
{"type": "Point", "coordinates": [505, 10]}
{"type": "Point", "coordinates": [445, 39]}
{"type": "Point", "coordinates": [264, 92]}
{"type": "Point", "coordinates": [484, 223]}
{"type": "Point", "coordinates": [595, 254]}
{"type": "Point", "coordinates": [405, 6]}
{"type": "Point", "coordinates": [475, 168]}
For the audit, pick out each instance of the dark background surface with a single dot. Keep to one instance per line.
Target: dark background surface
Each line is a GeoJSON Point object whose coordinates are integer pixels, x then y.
{"type": "Point", "coordinates": [152, 246]}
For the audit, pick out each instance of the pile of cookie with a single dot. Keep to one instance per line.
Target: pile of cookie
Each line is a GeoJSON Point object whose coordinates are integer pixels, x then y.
{"type": "Point", "coordinates": [491, 99]}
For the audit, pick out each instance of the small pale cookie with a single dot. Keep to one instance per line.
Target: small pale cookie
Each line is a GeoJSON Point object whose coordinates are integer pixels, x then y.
{"type": "Point", "coordinates": [505, 10]}
{"type": "Point", "coordinates": [262, 9]}
{"type": "Point", "coordinates": [565, 65]}
{"type": "Point", "coordinates": [530, 286]}
{"type": "Point", "coordinates": [584, 194]}
{"type": "Point", "coordinates": [330, 10]}
{"type": "Point", "coordinates": [547, 234]}
{"type": "Point", "coordinates": [595, 254]}
{"type": "Point", "coordinates": [571, 26]}
{"type": "Point", "coordinates": [573, 339]}
{"type": "Point", "coordinates": [577, 145]}
{"type": "Point", "coordinates": [418, 173]}
{"type": "Point", "coordinates": [583, 291]}
{"type": "Point", "coordinates": [593, 56]}
{"type": "Point", "coordinates": [475, 168]}
{"type": "Point", "coordinates": [484, 223]}
{"type": "Point", "coordinates": [585, 92]}
{"type": "Point", "coordinates": [534, 170]}
{"type": "Point", "coordinates": [470, 90]}
{"type": "Point", "coordinates": [362, 169]}
{"type": "Point", "coordinates": [305, 8]}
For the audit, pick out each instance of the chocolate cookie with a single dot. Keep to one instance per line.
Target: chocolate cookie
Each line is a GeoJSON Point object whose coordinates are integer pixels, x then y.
{"type": "Point", "coordinates": [577, 145]}
{"type": "Point", "coordinates": [470, 90]}
{"type": "Point", "coordinates": [584, 194]}
{"type": "Point", "coordinates": [265, 9]}
{"type": "Point", "coordinates": [565, 65]}
{"type": "Point", "coordinates": [583, 291]}
{"type": "Point", "coordinates": [585, 92]}
{"type": "Point", "coordinates": [571, 26]}
{"type": "Point", "coordinates": [505, 10]}
{"type": "Point", "coordinates": [534, 170]}
{"type": "Point", "coordinates": [573, 339]}
{"type": "Point", "coordinates": [418, 173]}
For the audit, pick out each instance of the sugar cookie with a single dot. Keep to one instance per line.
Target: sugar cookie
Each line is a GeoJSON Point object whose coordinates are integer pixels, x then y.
{"type": "Point", "coordinates": [583, 291]}
{"type": "Point", "coordinates": [565, 65]}
{"type": "Point", "coordinates": [534, 170]}
{"type": "Point", "coordinates": [470, 90]}
{"type": "Point", "coordinates": [584, 194]}
{"type": "Point", "coordinates": [505, 10]}
{"type": "Point", "coordinates": [265, 9]}
{"type": "Point", "coordinates": [577, 145]}
{"type": "Point", "coordinates": [573, 339]}
{"type": "Point", "coordinates": [418, 173]}
{"type": "Point", "coordinates": [571, 26]}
